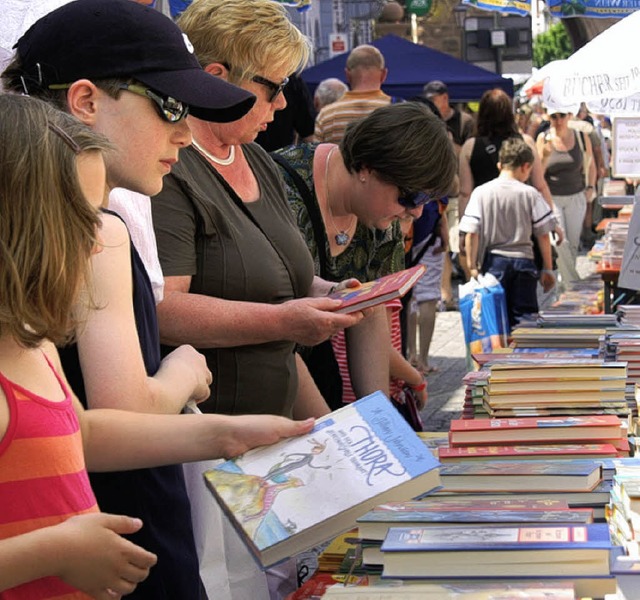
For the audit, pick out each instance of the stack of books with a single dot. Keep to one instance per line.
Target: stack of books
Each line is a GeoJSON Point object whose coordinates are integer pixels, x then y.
{"type": "Point", "coordinates": [554, 388]}
{"type": "Point", "coordinates": [468, 512]}
{"type": "Point", "coordinates": [579, 554]}
{"type": "Point", "coordinates": [536, 438]}
{"type": "Point", "coordinates": [557, 337]}
{"type": "Point", "coordinates": [615, 236]}
{"type": "Point", "coordinates": [623, 511]}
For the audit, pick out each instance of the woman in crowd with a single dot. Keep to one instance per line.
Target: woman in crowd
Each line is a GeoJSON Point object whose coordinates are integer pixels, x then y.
{"type": "Point", "coordinates": [479, 155]}
{"type": "Point", "coordinates": [362, 188]}
{"type": "Point", "coordinates": [239, 280]}
{"type": "Point", "coordinates": [570, 173]}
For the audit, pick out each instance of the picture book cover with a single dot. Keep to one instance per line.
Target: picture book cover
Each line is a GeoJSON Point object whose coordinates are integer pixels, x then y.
{"type": "Point", "coordinates": [379, 290]}
{"type": "Point", "coordinates": [531, 452]}
{"type": "Point", "coordinates": [300, 492]}
{"type": "Point", "coordinates": [511, 551]}
{"type": "Point", "coordinates": [580, 427]}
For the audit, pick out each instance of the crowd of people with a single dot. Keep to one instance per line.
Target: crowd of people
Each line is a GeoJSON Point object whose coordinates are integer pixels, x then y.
{"type": "Point", "coordinates": [155, 256]}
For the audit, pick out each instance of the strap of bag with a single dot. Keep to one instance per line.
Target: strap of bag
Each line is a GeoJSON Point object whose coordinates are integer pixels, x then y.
{"type": "Point", "coordinates": [312, 209]}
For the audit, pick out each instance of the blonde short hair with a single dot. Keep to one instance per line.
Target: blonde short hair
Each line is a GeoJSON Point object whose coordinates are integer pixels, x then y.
{"type": "Point", "coordinates": [249, 36]}
{"type": "Point", "coordinates": [47, 226]}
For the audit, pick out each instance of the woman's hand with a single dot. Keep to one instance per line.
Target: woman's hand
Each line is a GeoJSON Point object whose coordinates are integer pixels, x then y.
{"type": "Point", "coordinates": [310, 321]}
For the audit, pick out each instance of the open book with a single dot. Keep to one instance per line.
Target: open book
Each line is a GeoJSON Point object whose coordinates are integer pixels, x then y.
{"type": "Point", "coordinates": [379, 290]}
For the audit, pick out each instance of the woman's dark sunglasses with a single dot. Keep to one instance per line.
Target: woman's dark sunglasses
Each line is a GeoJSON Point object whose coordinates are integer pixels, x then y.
{"type": "Point", "coordinates": [413, 199]}
{"type": "Point", "coordinates": [276, 88]}
{"type": "Point", "coordinates": [168, 108]}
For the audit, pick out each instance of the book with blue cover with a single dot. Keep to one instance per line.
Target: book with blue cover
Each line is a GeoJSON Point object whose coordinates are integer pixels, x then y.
{"type": "Point", "coordinates": [524, 476]}
{"type": "Point", "coordinates": [286, 498]}
{"type": "Point", "coordinates": [375, 524]}
{"type": "Point", "coordinates": [497, 551]}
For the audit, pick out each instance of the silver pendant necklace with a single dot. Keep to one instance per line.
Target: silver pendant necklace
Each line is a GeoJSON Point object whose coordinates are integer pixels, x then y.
{"type": "Point", "coordinates": [225, 162]}
{"type": "Point", "coordinates": [342, 238]}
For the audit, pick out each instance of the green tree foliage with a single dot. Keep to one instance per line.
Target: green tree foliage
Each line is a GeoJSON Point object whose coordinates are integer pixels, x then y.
{"type": "Point", "coordinates": [554, 44]}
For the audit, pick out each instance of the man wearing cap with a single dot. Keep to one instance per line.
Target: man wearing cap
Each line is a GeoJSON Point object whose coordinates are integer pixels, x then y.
{"type": "Point", "coordinates": [127, 71]}
{"type": "Point", "coordinates": [460, 126]}
{"type": "Point", "coordinates": [365, 73]}
{"type": "Point", "coordinates": [458, 123]}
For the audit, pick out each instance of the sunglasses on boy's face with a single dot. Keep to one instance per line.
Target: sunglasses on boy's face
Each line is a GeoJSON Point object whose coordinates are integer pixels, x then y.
{"type": "Point", "coordinates": [168, 108]}
{"type": "Point", "coordinates": [558, 115]}
{"type": "Point", "coordinates": [412, 200]}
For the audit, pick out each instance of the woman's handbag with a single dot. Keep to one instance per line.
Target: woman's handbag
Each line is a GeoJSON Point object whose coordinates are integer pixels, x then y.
{"type": "Point", "coordinates": [320, 359]}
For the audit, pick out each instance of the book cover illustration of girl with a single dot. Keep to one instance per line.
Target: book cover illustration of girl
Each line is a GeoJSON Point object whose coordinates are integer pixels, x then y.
{"type": "Point", "coordinates": [252, 497]}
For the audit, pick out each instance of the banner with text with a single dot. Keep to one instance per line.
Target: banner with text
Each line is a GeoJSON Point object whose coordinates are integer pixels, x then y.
{"type": "Point", "coordinates": [592, 8]}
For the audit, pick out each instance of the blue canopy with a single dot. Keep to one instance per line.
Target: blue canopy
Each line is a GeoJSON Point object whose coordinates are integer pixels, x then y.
{"type": "Point", "coordinates": [411, 66]}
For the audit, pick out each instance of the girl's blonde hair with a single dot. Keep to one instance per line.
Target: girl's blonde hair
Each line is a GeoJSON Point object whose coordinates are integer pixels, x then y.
{"type": "Point", "coordinates": [251, 37]}
{"type": "Point", "coordinates": [47, 226]}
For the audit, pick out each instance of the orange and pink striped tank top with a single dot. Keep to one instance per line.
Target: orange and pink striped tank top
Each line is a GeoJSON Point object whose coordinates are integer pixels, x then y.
{"type": "Point", "coordinates": [43, 480]}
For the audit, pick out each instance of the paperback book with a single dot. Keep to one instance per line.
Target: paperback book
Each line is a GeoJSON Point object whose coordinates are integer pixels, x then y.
{"type": "Point", "coordinates": [571, 550]}
{"type": "Point", "coordinates": [296, 494]}
{"type": "Point", "coordinates": [521, 476]}
{"type": "Point", "coordinates": [538, 430]}
{"type": "Point", "coordinates": [379, 290]}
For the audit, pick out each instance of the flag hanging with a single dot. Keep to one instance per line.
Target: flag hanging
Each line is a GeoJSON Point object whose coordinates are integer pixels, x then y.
{"type": "Point", "coordinates": [511, 7]}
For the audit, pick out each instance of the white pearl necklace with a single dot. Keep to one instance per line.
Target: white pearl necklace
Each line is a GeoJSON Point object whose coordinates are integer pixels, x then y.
{"type": "Point", "coordinates": [225, 162]}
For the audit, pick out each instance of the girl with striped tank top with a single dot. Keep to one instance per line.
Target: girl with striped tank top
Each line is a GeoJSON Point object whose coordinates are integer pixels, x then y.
{"type": "Point", "coordinates": [54, 542]}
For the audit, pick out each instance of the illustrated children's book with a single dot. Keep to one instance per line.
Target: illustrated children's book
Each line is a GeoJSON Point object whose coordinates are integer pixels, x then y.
{"type": "Point", "coordinates": [569, 551]}
{"type": "Point", "coordinates": [288, 497]}
{"type": "Point", "coordinates": [379, 290]}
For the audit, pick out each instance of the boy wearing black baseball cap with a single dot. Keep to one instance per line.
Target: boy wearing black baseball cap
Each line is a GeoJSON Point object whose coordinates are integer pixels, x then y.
{"type": "Point", "coordinates": [127, 71]}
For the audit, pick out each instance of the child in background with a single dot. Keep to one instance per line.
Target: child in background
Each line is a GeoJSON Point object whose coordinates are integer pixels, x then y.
{"type": "Point", "coordinates": [54, 543]}
{"type": "Point", "coordinates": [499, 221]}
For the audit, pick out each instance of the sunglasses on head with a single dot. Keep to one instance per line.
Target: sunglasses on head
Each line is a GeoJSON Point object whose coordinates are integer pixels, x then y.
{"type": "Point", "coordinates": [168, 108]}
{"type": "Point", "coordinates": [558, 115]}
{"type": "Point", "coordinates": [413, 199]}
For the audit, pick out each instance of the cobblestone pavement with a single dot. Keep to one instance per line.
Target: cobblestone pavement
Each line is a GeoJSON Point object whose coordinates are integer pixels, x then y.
{"type": "Point", "coordinates": [448, 354]}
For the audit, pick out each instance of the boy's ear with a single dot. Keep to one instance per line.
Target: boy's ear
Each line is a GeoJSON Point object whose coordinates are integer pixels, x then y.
{"type": "Point", "coordinates": [83, 100]}
{"type": "Point", "coordinates": [499, 165]}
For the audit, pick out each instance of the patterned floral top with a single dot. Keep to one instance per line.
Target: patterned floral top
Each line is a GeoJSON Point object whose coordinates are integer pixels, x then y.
{"type": "Point", "coordinates": [371, 253]}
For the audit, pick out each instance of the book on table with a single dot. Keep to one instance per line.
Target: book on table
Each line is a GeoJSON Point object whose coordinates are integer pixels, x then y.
{"type": "Point", "coordinates": [532, 452]}
{"type": "Point", "coordinates": [379, 290]}
{"type": "Point", "coordinates": [534, 429]}
{"type": "Point", "coordinates": [523, 590]}
{"type": "Point", "coordinates": [521, 476]}
{"type": "Point", "coordinates": [498, 551]}
{"type": "Point", "coordinates": [375, 524]}
{"type": "Point", "coordinates": [596, 498]}
{"type": "Point", "coordinates": [296, 494]}
{"type": "Point", "coordinates": [578, 369]}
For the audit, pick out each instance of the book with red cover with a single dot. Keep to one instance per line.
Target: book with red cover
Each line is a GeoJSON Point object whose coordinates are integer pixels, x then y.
{"type": "Point", "coordinates": [532, 452]}
{"type": "Point", "coordinates": [534, 429]}
{"type": "Point", "coordinates": [379, 290]}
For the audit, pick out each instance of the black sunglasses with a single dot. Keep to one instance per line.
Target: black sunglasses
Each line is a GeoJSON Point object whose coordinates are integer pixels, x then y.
{"type": "Point", "coordinates": [412, 200]}
{"type": "Point", "coordinates": [558, 115]}
{"type": "Point", "coordinates": [168, 108]}
{"type": "Point", "coordinates": [275, 88]}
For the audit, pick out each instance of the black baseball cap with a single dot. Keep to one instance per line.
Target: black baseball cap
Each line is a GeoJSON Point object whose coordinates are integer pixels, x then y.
{"type": "Point", "coordinates": [100, 39]}
{"type": "Point", "coordinates": [435, 88]}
